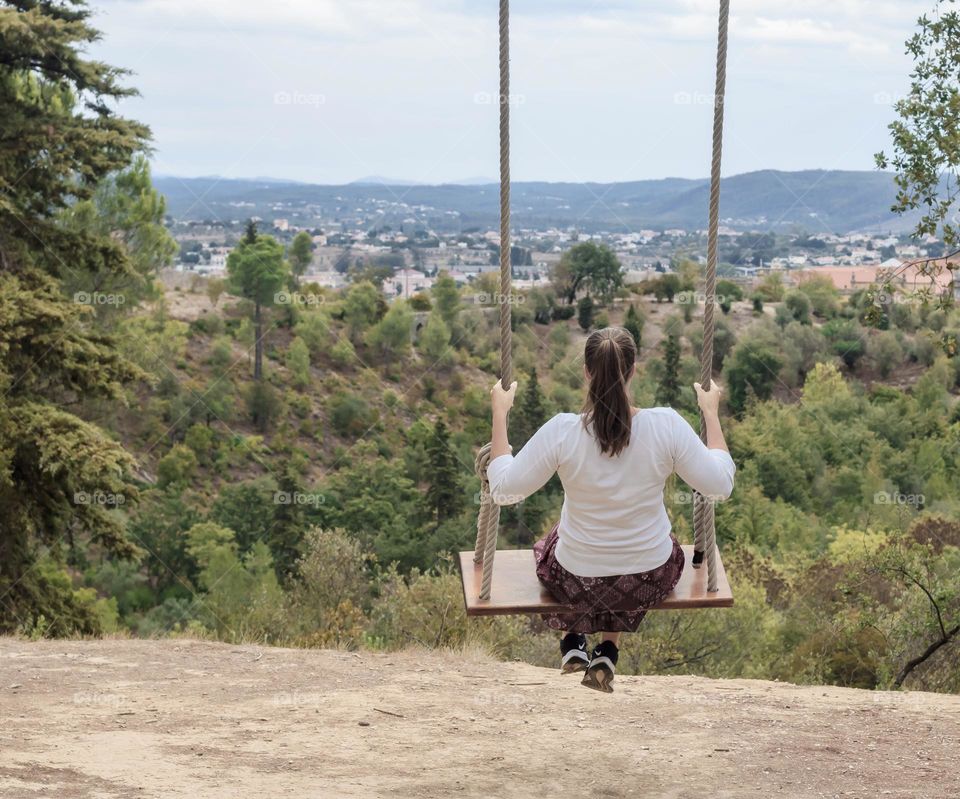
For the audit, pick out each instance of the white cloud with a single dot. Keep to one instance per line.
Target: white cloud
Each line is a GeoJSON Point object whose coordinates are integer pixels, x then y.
{"type": "Point", "coordinates": [810, 32]}
{"type": "Point", "coordinates": [399, 80]}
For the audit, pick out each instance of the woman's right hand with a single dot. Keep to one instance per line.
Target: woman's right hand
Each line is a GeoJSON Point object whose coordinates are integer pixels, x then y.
{"type": "Point", "coordinates": [502, 398]}
{"type": "Point", "coordinates": [709, 399]}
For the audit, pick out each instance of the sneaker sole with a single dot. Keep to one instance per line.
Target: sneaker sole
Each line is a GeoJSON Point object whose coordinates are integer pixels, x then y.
{"type": "Point", "coordinates": [599, 679]}
{"type": "Point", "coordinates": [574, 664]}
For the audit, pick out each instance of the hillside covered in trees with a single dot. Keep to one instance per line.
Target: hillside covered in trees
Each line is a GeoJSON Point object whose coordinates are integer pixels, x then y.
{"type": "Point", "coordinates": [262, 459]}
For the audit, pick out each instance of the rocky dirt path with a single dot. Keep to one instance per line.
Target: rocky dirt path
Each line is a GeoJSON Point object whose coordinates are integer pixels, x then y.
{"type": "Point", "coordinates": [119, 718]}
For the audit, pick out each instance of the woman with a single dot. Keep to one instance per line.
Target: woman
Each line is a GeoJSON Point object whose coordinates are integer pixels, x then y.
{"type": "Point", "coordinates": [612, 554]}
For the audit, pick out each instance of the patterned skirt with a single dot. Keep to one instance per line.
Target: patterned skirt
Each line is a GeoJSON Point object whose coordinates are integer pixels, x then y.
{"type": "Point", "coordinates": [603, 604]}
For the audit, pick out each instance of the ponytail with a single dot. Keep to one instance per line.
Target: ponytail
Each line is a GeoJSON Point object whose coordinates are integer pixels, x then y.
{"type": "Point", "coordinates": [609, 357]}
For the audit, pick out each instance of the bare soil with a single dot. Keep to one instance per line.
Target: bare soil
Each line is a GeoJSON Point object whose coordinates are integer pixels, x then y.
{"type": "Point", "coordinates": [179, 718]}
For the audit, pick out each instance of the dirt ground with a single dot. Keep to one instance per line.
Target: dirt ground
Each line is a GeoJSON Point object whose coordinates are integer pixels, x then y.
{"type": "Point", "coordinates": [121, 718]}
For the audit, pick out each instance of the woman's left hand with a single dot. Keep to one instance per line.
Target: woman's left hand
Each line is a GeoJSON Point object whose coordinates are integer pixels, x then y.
{"type": "Point", "coordinates": [502, 398]}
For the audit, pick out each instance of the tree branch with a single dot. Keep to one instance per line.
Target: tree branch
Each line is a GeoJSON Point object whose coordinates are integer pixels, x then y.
{"type": "Point", "coordinates": [914, 662]}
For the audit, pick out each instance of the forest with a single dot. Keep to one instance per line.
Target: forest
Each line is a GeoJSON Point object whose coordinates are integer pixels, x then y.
{"type": "Point", "coordinates": [257, 458]}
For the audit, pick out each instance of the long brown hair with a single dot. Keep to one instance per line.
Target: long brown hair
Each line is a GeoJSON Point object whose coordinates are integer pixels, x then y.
{"type": "Point", "coordinates": [609, 357]}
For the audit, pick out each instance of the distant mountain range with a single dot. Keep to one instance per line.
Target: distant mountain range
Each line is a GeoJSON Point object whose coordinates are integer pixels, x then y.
{"type": "Point", "coordinates": [814, 201]}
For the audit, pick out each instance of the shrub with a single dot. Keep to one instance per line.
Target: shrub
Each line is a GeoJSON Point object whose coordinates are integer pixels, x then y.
{"type": "Point", "coordinates": [847, 339]}
{"type": "Point", "coordinates": [332, 585]}
{"type": "Point", "coordinates": [177, 467]}
{"type": "Point", "coordinates": [585, 312]}
{"type": "Point", "coordinates": [314, 330]}
{"type": "Point", "coordinates": [435, 341]}
{"type": "Point", "coordinates": [420, 302]}
{"type": "Point", "coordinates": [392, 335]}
{"type": "Point", "coordinates": [351, 416]}
{"type": "Point", "coordinates": [263, 404]}
{"type": "Point", "coordinates": [298, 363]}
{"type": "Point", "coordinates": [343, 353]}
{"type": "Point", "coordinates": [798, 304]}
{"type": "Point", "coordinates": [885, 352]}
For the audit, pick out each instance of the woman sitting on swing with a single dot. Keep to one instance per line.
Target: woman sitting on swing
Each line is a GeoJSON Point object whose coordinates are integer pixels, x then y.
{"type": "Point", "coordinates": [612, 555]}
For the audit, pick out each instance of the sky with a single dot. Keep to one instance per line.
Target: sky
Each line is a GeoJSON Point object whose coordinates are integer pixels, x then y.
{"type": "Point", "coordinates": [330, 91]}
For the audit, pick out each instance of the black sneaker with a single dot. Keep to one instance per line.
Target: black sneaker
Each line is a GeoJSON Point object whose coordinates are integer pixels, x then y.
{"type": "Point", "coordinates": [603, 664]}
{"type": "Point", "coordinates": [573, 648]}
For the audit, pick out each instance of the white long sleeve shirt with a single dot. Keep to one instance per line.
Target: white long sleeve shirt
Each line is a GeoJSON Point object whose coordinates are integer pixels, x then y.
{"type": "Point", "coordinates": [613, 519]}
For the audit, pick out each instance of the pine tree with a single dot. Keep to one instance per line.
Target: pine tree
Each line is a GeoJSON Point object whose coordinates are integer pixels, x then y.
{"type": "Point", "coordinates": [298, 363]}
{"type": "Point", "coordinates": [257, 272]}
{"type": "Point", "coordinates": [531, 412]}
{"type": "Point", "coordinates": [60, 135]}
{"type": "Point", "coordinates": [393, 333]}
{"type": "Point", "coordinates": [668, 391]}
{"type": "Point", "coordinates": [285, 537]}
{"type": "Point", "coordinates": [446, 295]}
{"type": "Point", "coordinates": [445, 497]}
{"type": "Point", "coordinates": [434, 341]}
{"type": "Point", "coordinates": [633, 324]}
{"type": "Point", "coordinates": [585, 312]}
{"type": "Point", "coordinates": [62, 479]}
{"type": "Point", "coordinates": [301, 254]}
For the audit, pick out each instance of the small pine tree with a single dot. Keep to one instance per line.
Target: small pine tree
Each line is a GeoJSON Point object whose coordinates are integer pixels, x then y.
{"type": "Point", "coordinates": [298, 362]}
{"type": "Point", "coordinates": [301, 254]}
{"type": "Point", "coordinates": [435, 341]}
{"type": "Point", "coordinates": [263, 405]}
{"type": "Point", "coordinates": [445, 497]}
{"type": "Point", "coordinates": [392, 334]}
{"type": "Point", "coordinates": [531, 413]}
{"type": "Point", "coordinates": [285, 536]}
{"type": "Point", "coordinates": [446, 296]}
{"type": "Point", "coordinates": [257, 272]}
{"type": "Point", "coordinates": [585, 312]}
{"type": "Point", "coordinates": [633, 324]}
{"type": "Point", "coordinates": [668, 391]}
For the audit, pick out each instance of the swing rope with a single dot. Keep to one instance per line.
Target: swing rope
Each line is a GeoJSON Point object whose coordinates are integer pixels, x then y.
{"type": "Point", "coordinates": [488, 520]}
{"type": "Point", "coordinates": [704, 531]}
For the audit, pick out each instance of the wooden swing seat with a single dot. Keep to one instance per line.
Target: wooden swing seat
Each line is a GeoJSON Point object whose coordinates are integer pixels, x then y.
{"type": "Point", "coordinates": [516, 589]}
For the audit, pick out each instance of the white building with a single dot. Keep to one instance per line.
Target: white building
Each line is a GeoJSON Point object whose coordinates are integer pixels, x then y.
{"type": "Point", "coordinates": [218, 257]}
{"type": "Point", "coordinates": [405, 283]}
{"type": "Point", "coordinates": [326, 279]}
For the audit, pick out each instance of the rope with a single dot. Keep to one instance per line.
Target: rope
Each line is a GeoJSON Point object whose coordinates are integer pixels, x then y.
{"type": "Point", "coordinates": [488, 522]}
{"type": "Point", "coordinates": [705, 541]}
{"type": "Point", "coordinates": [506, 336]}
